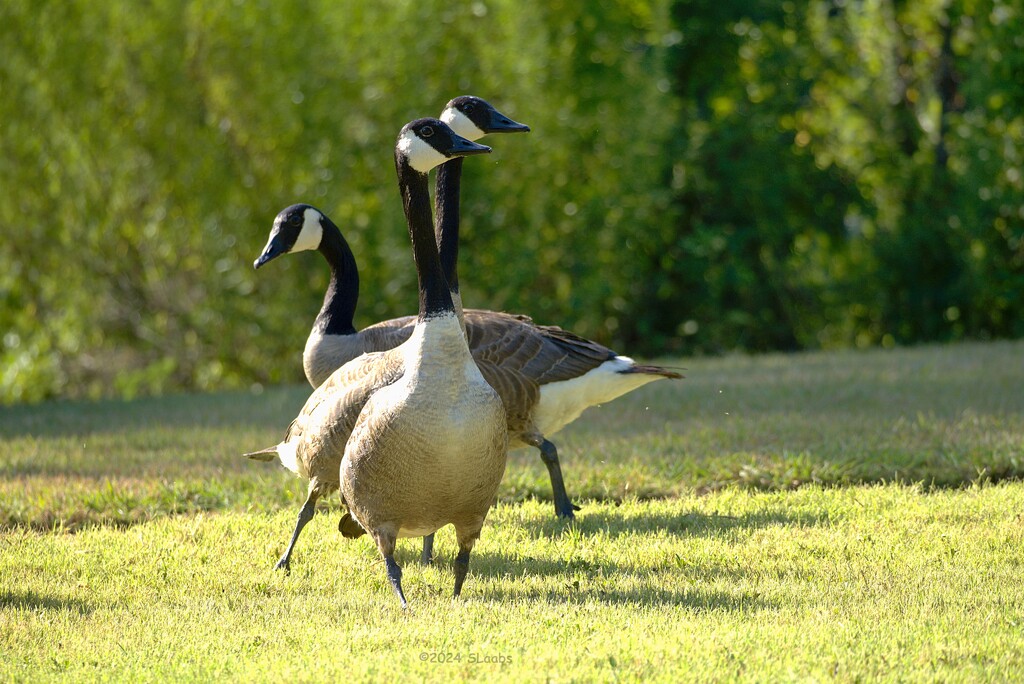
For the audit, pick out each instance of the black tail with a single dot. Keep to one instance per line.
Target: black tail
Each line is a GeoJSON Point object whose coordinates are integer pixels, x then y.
{"type": "Point", "coordinates": [654, 370]}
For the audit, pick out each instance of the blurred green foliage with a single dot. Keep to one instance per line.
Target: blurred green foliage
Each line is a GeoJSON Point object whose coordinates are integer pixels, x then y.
{"type": "Point", "coordinates": [701, 176]}
{"type": "Point", "coordinates": [848, 173]}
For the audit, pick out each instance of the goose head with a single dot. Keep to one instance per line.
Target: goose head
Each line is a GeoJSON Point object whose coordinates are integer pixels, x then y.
{"type": "Point", "coordinates": [297, 228]}
{"type": "Point", "coordinates": [426, 143]}
{"type": "Point", "coordinates": [473, 118]}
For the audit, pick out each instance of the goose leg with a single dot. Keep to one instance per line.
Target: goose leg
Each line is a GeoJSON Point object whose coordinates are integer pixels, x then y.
{"type": "Point", "coordinates": [564, 507]}
{"type": "Point", "coordinates": [427, 555]}
{"type": "Point", "coordinates": [306, 514]}
{"type": "Point", "coordinates": [462, 560]}
{"type": "Point", "coordinates": [395, 576]}
{"type": "Point", "coordinates": [461, 570]}
{"type": "Point", "coordinates": [386, 546]}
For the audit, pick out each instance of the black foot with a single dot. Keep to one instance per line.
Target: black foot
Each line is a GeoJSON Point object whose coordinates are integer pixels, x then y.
{"type": "Point", "coordinates": [283, 564]}
{"type": "Point", "coordinates": [395, 576]}
{"type": "Point", "coordinates": [461, 570]}
{"type": "Point", "coordinates": [566, 509]}
{"type": "Point", "coordinates": [427, 555]}
{"type": "Point", "coordinates": [349, 528]}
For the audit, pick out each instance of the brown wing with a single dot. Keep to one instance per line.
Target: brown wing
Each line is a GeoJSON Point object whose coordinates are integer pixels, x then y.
{"type": "Point", "coordinates": [387, 334]}
{"type": "Point", "coordinates": [326, 421]}
{"type": "Point", "coordinates": [511, 342]}
{"type": "Point", "coordinates": [542, 353]}
{"type": "Point", "coordinates": [518, 393]}
{"type": "Point", "coordinates": [517, 357]}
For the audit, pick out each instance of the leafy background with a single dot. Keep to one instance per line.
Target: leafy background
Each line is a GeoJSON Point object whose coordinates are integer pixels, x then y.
{"type": "Point", "coordinates": [701, 176]}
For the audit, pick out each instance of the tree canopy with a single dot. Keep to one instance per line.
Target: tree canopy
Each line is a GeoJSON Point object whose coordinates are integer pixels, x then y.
{"type": "Point", "coordinates": [701, 176]}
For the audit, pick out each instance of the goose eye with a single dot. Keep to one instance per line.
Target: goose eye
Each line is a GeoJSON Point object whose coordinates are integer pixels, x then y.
{"type": "Point", "coordinates": [426, 132]}
{"type": "Point", "coordinates": [295, 220]}
{"type": "Point", "coordinates": [468, 107]}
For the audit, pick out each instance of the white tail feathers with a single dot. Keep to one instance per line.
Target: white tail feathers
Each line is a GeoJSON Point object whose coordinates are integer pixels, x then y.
{"type": "Point", "coordinates": [563, 402]}
{"type": "Point", "coordinates": [284, 452]}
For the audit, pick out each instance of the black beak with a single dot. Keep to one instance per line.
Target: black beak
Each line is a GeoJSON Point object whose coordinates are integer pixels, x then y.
{"type": "Point", "coordinates": [500, 123]}
{"type": "Point", "coordinates": [273, 250]}
{"type": "Point", "coordinates": [464, 148]}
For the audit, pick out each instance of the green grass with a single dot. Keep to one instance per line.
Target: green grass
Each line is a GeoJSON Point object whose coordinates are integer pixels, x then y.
{"type": "Point", "coordinates": [714, 542]}
{"type": "Point", "coordinates": [856, 583]}
{"type": "Point", "coordinates": [941, 415]}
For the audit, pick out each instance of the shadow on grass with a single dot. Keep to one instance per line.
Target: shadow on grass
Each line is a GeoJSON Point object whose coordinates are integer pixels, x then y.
{"type": "Point", "coordinates": [30, 600]}
{"type": "Point", "coordinates": [240, 410]}
{"type": "Point", "coordinates": [606, 579]}
{"type": "Point", "coordinates": [209, 467]}
{"type": "Point", "coordinates": [578, 581]}
{"type": "Point", "coordinates": [614, 524]}
{"type": "Point", "coordinates": [573, 593]}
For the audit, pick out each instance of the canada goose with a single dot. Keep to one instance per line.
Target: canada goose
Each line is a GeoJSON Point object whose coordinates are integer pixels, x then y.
{"type": "Point", "coordinates": [546, 376]}
{"type": "Point", "coordinates": [334, 341]}
{"type": "Point", "coordinates": [428, 444]}
{"type": "Point", "coordinates": [430, 449]}
{"type": "Point", "coordinates": [472, 118]}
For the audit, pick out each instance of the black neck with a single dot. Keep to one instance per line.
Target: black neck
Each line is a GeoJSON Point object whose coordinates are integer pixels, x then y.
{"type": "Point", "coordinates": [448, 188]}
{"type": "Point", "coordinates": [335, 317]}
{"type": "Point", "coordinates": [434, 295]}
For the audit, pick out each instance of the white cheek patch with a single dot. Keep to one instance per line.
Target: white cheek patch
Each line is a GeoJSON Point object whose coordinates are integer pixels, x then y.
{"type": "Point", "coordinates": [420, 154]}
{"type": "Point", "coordinates": [311, 234]}
{"type": "Point", "coordinates": [462, 124]}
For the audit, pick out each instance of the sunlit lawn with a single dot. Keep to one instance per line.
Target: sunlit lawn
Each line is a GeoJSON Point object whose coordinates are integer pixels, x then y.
{"type": "Point", "coordinates": [137, 544]}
